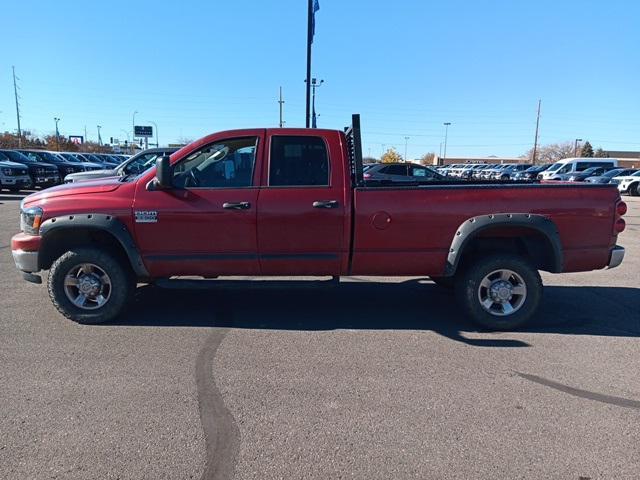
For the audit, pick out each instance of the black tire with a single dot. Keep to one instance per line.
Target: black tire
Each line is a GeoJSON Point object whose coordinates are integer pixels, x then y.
{"type": "Point", "coordinates": [444, 282]}
{"type": "Point", "coordinates": [468, 290]}
{"type": "Point", "coordinates": [633, 190]}
{"type": "Point", "coordinates": [121, 289]}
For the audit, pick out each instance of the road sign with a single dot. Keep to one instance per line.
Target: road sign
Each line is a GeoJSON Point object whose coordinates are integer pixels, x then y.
{"type": "Point", "coordinates": [142, 131]}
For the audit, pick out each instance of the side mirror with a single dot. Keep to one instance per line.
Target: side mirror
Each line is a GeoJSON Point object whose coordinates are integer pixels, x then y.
{"type": "Point", "coordinates": [163, 172]}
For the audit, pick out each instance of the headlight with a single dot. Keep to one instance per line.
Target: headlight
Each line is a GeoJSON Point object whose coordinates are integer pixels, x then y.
{"type": "Point", "coordinates": [30, 219]}
{"type": "Point", "coordinates": [7, 171]}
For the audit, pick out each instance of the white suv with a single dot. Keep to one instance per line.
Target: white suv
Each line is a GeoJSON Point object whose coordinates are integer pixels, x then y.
{"type": "Point", "coordinates": [628, 184]}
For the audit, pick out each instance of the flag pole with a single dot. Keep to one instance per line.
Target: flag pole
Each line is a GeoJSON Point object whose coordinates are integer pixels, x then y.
{"type": "Point", "coordinates": [309, 41]}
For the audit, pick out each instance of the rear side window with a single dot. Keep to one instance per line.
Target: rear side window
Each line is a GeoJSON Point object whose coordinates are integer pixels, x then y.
{"type": "Point", "coordinates": [298, 161]}
{"type": "Point", "coordinates": [395, 170]}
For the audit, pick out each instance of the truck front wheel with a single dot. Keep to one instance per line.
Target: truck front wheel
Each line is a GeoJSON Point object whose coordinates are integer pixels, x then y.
{"type": "Point", "coordinates": [90, 286]}
{"type": "Point", "coordinates": [500, 292]}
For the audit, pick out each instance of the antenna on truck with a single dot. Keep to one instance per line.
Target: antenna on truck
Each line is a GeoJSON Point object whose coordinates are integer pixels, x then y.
{"type": "Point", "coordinates": [354, 146]}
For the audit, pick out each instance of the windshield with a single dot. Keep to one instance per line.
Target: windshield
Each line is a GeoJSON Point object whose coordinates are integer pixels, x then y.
{"type": "Point", "coordinates": [19, 157]}
{"type": "Point", "coordinates": [140, 164]}
{"type": "Point", "coordinates": [613, 173]}
{"type": "Point", "coordinates": [555, 166]}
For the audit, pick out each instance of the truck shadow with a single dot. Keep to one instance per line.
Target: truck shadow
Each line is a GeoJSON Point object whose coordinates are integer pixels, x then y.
{"type": "Point", "coordinates": [413, 305]}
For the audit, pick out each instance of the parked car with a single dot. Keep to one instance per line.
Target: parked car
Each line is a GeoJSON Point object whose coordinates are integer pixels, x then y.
{"type": "Point", "coordinates": [42, 174]}
{"type": "Point", "coordinates": [589, 172]}
{"type": "Point", "coordinates": [608, 176]}
{"type": "Point", "coordinates": [64, 166]}
{"type": "Point", "coordinates": [573, 165]}
{"type": "Point", "coordinates": [135, 165]}
{"type": "Point", "coordinates": [91, 157]}
{"type": "Point", "coordinates": [531, 173]}
{"type": "Point", "coordinates": [108, 159]}
{"type": "Point", "coordinates": [88, 166]}
{"type": "Point", "coordinates": [496, 171]}
{"type": "Point", "coordinates": [288, 203]}
{"type": "Point", "coordinates": [508, 173]}
{"type": "Point", "coordinates": [400, 172]}
{"type": "Point", "coordinates": [13, 176]}
{"type": "Point", "coordinates": [628, 184]}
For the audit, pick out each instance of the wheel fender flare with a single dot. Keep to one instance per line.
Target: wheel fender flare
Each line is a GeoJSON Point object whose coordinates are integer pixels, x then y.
{"type": "Point", "coordinates": [471, 227]}
{"type": "Point", "coordinates": [99, 221]}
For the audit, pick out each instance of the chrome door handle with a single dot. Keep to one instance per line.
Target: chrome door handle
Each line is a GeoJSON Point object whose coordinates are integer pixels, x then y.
{"type": "Point", "coordinates": [236, 205]}
{"type": "Point", "coordinates": [325, 204]}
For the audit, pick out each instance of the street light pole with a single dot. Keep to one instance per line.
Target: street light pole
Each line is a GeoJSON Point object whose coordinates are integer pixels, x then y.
{"type": "Point", "coordinates": [133, 130]}
{"type": "Point", "coordinates": [156, 127]}
{"type": "Point", "coordinates": [406, 143]}
{"type": "Point", "coordinates": [575, 147]}
{"type": "Point", "coordinates": [446, 134]}
{"type": "Point", "coordinates": [314, 84]}
{"type": "Point", "coordinates": [56, 119]}
{"type": "Point", "coordinates": [99, 137]}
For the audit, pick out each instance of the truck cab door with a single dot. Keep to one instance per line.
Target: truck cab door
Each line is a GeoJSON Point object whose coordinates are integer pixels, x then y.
{"type": "Point", "coordinates": [302, 207]}
{"type": "Point", "coordinates": [205, 224]}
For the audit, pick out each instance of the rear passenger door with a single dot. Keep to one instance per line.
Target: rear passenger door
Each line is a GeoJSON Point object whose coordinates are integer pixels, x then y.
{"type": "Point", "coordinates": [301, 208]}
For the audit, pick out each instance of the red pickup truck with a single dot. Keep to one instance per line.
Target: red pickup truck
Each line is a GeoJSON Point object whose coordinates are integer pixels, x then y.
{"type": "Point", "coordinates": [294, 202]}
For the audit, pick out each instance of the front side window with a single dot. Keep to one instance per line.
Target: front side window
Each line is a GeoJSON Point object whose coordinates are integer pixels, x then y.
{"type": "Point", "coordinates": [298, 161]}
{"type": "Point", "coordinates": [421, 172]}
{"type": "Point", "coordinates": [223, 164]}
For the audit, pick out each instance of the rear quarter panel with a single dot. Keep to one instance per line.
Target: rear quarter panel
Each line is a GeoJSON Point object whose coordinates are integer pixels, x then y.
{"type": "Point", "coordinates": [408, 231]}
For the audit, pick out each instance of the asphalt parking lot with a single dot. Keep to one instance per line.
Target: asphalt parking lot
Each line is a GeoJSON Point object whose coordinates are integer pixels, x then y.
{"type": "Point", "coordinates": [374, 378]}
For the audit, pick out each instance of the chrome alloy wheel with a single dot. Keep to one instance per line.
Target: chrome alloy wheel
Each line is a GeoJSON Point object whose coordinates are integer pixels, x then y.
{"type": "Point", "coordinates": [87, 286]}
{"type": "Point", "coordinates": [502, 292]}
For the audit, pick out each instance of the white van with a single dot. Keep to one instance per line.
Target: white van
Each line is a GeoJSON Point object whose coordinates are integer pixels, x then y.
{"type": "Point", "coordinates": [571, 165]}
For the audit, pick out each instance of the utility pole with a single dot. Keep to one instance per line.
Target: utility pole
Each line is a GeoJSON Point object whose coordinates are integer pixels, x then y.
{"type": "Point", "coordinates": [56, 119]}
{"type": "Point", "coordinates": [575, 147]}
{"type": "Point", "coordinates": [535, 142]}
{"type": "Point", "coordinates": [406, 142]}
{"type": "Point", "coordinates": [85, 134]}
{"type": "Point", "coordinates": [446, 133]}
{"type": "Point", "coordinates": [15, 92]}
{"type": "Point", "coordinates": [99, 137]}
{"type": "Point", "coordinates": [281, 102]}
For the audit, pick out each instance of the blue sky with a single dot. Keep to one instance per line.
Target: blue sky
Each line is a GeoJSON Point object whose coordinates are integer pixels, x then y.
{"type": "Point", "coordinates": [406, 66]}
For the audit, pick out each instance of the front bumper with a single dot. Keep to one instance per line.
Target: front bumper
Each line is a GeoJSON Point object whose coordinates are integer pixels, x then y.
{"type": "Point", "coordinates": [26, 261]}
{"type": "Point", "coordinates": [616, 256]}
{"type": "Point", "coordinates": [17, 181]}
{"type": "Point", "coordinates": [47, 180]}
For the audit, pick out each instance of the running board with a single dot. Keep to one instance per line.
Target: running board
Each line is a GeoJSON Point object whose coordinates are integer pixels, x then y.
{"type": "Point", "coordinates": [204, 284]}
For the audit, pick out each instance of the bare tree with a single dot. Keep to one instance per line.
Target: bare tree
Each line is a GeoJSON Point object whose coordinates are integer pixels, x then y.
{"type": "Point", "coordinates": [427, 158]}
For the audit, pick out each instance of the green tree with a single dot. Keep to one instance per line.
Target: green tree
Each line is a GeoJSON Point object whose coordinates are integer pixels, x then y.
{"type": "Point", "coordinates": [586, 150]}
{"type": "Point", "coordinates": [391, 156]}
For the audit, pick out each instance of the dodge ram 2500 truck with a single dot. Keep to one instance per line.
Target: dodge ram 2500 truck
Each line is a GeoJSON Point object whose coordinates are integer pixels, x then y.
{"type": "Point", "coordinates": [293, 202]}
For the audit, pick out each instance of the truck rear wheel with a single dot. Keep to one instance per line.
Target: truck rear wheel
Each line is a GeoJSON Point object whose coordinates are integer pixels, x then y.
{"type": "Point", "coordinates": [500, 292]}
{"type": "Point", "coordinates": [90, 286]}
